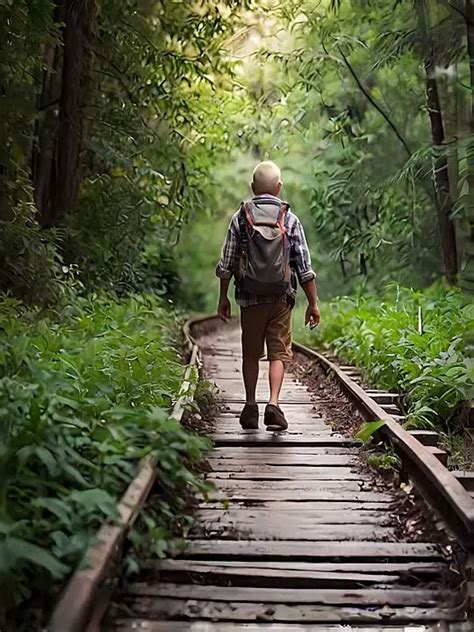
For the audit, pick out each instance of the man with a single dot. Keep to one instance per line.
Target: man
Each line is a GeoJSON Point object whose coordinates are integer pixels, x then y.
{"type": "Point", "coordinates": [265, 250]}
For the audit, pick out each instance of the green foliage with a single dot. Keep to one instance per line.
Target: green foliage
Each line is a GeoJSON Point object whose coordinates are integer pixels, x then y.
{"type": "Point", "coordinates": [385, 460]}
{"type": "Point", "coordinates": [432, 369]}
{"type": "Point", "coordinates": [337, 99]}
{"type": "Point", "coordinates": [368, 430]}
{"type": "Point", "coordinates": [82, 400]}
{"type": "Point", "coordinates": [30, 262]}
{"type": "Point", "coordinates": [152, 88]}
{"type": "Point", "coordinates": [157, 65]}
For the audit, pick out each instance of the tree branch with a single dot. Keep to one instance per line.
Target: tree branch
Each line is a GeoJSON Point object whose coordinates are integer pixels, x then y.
{"type": "Point", "coordinates": [458, 10]}
{"type": "Point", "coordinates": [371, 100]}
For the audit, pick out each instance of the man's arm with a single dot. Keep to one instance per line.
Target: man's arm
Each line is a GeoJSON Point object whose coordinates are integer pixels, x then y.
{"type": "Point", "coordinates": [301, 262]}
{"type": "Point", "coordinates": [223, 307]}
{"type": "Point", "coordinates": [225, 269]}
{"type": "Point", "coordinates": [313, 315]}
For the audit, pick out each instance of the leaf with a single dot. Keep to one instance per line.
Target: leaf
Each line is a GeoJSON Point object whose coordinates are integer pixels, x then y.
{"type": "Point", "coordinates": [95, 499]}
{"type": "Point", "coordinates": [369, 429]}
{"type": "Point", "coordinates": [27, 551]}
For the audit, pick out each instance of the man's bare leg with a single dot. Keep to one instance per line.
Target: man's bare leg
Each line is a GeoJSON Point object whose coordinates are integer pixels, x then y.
{"type": "Point", "coordinates": [250, 368]}
{"type": "Point", "coordinates": [275, 377]}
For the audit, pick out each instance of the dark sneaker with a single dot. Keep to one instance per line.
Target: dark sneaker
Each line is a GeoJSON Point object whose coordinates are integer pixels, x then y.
{"type": "Point", "coordinates": [249, 417]}
{"type": "Point", "coordinates": [274, 418]}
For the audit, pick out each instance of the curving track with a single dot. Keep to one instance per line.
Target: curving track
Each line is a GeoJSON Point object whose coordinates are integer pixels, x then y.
{"type": "Point", "coordinates": [306, 540]}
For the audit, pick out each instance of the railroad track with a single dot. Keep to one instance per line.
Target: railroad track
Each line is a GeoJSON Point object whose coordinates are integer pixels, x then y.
{"type": "Point", "coordinates": [297, 535]}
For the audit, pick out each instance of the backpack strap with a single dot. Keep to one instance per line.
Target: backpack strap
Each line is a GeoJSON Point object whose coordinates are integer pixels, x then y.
{"type": "Point", "coordinates": [281, 221]}
{"type": "Point", "coordinates": [242, 257]}
{"type": "Point", "coordinates": [245, 222]}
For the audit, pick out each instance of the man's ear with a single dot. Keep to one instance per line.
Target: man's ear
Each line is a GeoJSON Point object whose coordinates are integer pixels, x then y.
{"type": "Point", "coordinates": [280, 184]}
{"type": "Point", "coordinates": [252, 187]}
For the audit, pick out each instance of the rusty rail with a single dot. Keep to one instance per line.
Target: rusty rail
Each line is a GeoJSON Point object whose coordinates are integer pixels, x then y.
{"type": "Point", "coordinates": [442, 488]}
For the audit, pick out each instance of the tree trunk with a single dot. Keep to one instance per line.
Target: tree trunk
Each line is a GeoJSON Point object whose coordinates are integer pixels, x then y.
{"type": "Point", "coordinates": [441, 178]}
{"type": "Point", "coordinates": [450, 107]}
{"type": "Point", "coordinates": [77, 36]}
{"type": "Point", "coordinates": [43, 158]}
{"type": "Point", "coordinates": [467, 246]}
{"type": "Point", "coordinates": [5, 213]}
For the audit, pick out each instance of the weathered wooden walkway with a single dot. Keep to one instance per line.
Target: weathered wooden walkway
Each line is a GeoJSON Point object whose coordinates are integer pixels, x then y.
{"type": "Point", "coordinates": [297, 536]}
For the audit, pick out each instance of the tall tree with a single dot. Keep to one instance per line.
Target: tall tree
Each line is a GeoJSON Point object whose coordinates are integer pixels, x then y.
{"type": "Point", "coordinates": [78, 29]}
{"type": "Point", "coordinates": [467, 253]}
{"type": "Point", "coordinates": [444, 199]}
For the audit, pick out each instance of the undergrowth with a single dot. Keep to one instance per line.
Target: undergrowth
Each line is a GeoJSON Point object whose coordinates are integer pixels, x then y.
{"type": "Point", "coordinates": [84, 396]}
{"type": "Point", "coordinates": [433, 369]}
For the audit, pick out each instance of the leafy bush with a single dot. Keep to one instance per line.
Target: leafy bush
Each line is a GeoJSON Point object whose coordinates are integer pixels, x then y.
{"type": "Point", "coordinates": [434, 369]}
{"type": "Point", "coordinates": [82, 400]}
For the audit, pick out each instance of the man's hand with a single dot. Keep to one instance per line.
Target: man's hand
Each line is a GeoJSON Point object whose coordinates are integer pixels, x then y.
{"type": "Point", "coordinates": [313, 316]}
{"type": "Point", "coordinates": [223, 309]}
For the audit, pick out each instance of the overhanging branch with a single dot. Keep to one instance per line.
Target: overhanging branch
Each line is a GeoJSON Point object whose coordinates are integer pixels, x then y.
{"type": "Point", "coordinates": [374, 103]}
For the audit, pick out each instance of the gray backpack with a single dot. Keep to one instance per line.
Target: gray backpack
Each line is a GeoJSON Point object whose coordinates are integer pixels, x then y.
{"type": "Point", "coordinates": [264, 262]}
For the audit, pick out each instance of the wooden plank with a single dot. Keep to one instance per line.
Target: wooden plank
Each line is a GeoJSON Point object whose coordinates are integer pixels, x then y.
{"type": "Point", "coordinates": [355, 551]}
{"type": "Point", "coordinates": [146, 625]}
{"type": "Point", "coordinates": [306, 518]}
{"type": "Point", "coordinates": [414, 568]}
{"type": "Point", "coordinates": [260, 451]}
{"type": "Point", "coordinates": [306, 532]}
{"type": "Point", "coordinates": [297, 435]}
{"type": "Point", "coordinates": [426, 437]}
{"type": "Point", "coordinates": [291, 490]}
{"type": "Point", "coordinates": [440, 454]}
{"type": "Point", "coordinates": [300, 495]}
{"type": "Point", "coordinates": [295, 507]}
{"type": "Point", "coordinates": [342, 616]}
{"type": "Point", "coordinates": [276, 469]}
{"type": "Point", "coordinates": [296, 487]}
{"type": "Point", "coordinates": [292, 508]}
{"type": "Point", "coordinates": [227, 418]}
{"type": "Point", "coordinates": [233, 381]}
{"type": "Point", "coordinates": [306, 409]}
{"type": "Point", "coordinates": [300, 425]}
{"type": "Point", "coordinates": [328, 475]}
{"type": "Point", "coordinates": [382, 397]}
{"type": "Point", "coordinates": [275, 438]}
{"type": "Point", "coordinates": [323, 460]}
{"type": "Point", "coordinates": [294, 429]}
{"type": "Point", "coordinates": [273, 578]}
{"type": "Point", "coordinates": [409, 596]}
{"type": "Point", "coordinates": [417, 568]}
{"type": "Point", "coordinates": [466, 479]}
{"type": "Point", "coordinates": [261, 398]}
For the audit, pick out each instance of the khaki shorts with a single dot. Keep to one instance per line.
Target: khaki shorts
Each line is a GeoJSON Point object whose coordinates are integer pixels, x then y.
{"type": "Point", "coordinates": [270, 323]}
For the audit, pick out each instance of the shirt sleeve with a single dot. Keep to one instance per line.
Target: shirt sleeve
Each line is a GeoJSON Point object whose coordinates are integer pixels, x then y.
{"type": "Point", "coordinates": [300, 257]}
{"type": "Point", "coordinates": [226, 266]}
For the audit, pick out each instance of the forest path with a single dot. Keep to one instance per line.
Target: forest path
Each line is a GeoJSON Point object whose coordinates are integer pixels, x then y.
{"type": "Point", "coordinates": [297, 535]}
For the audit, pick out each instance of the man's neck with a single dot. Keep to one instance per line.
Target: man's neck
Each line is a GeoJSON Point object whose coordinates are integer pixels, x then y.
{"type": "Point", "coordinates": [272, 195]}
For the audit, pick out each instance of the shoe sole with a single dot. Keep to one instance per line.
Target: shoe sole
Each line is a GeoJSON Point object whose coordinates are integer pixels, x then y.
{"type": "Point", "coordinates": [274, 428]}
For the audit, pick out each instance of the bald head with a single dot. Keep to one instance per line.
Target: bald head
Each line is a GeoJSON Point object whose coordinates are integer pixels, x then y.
{"type": "Point", "coordinates": [266, 178]}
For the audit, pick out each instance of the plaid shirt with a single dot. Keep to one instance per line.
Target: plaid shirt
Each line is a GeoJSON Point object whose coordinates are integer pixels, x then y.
{"type": "Point", "coordinates": [300, 259]}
